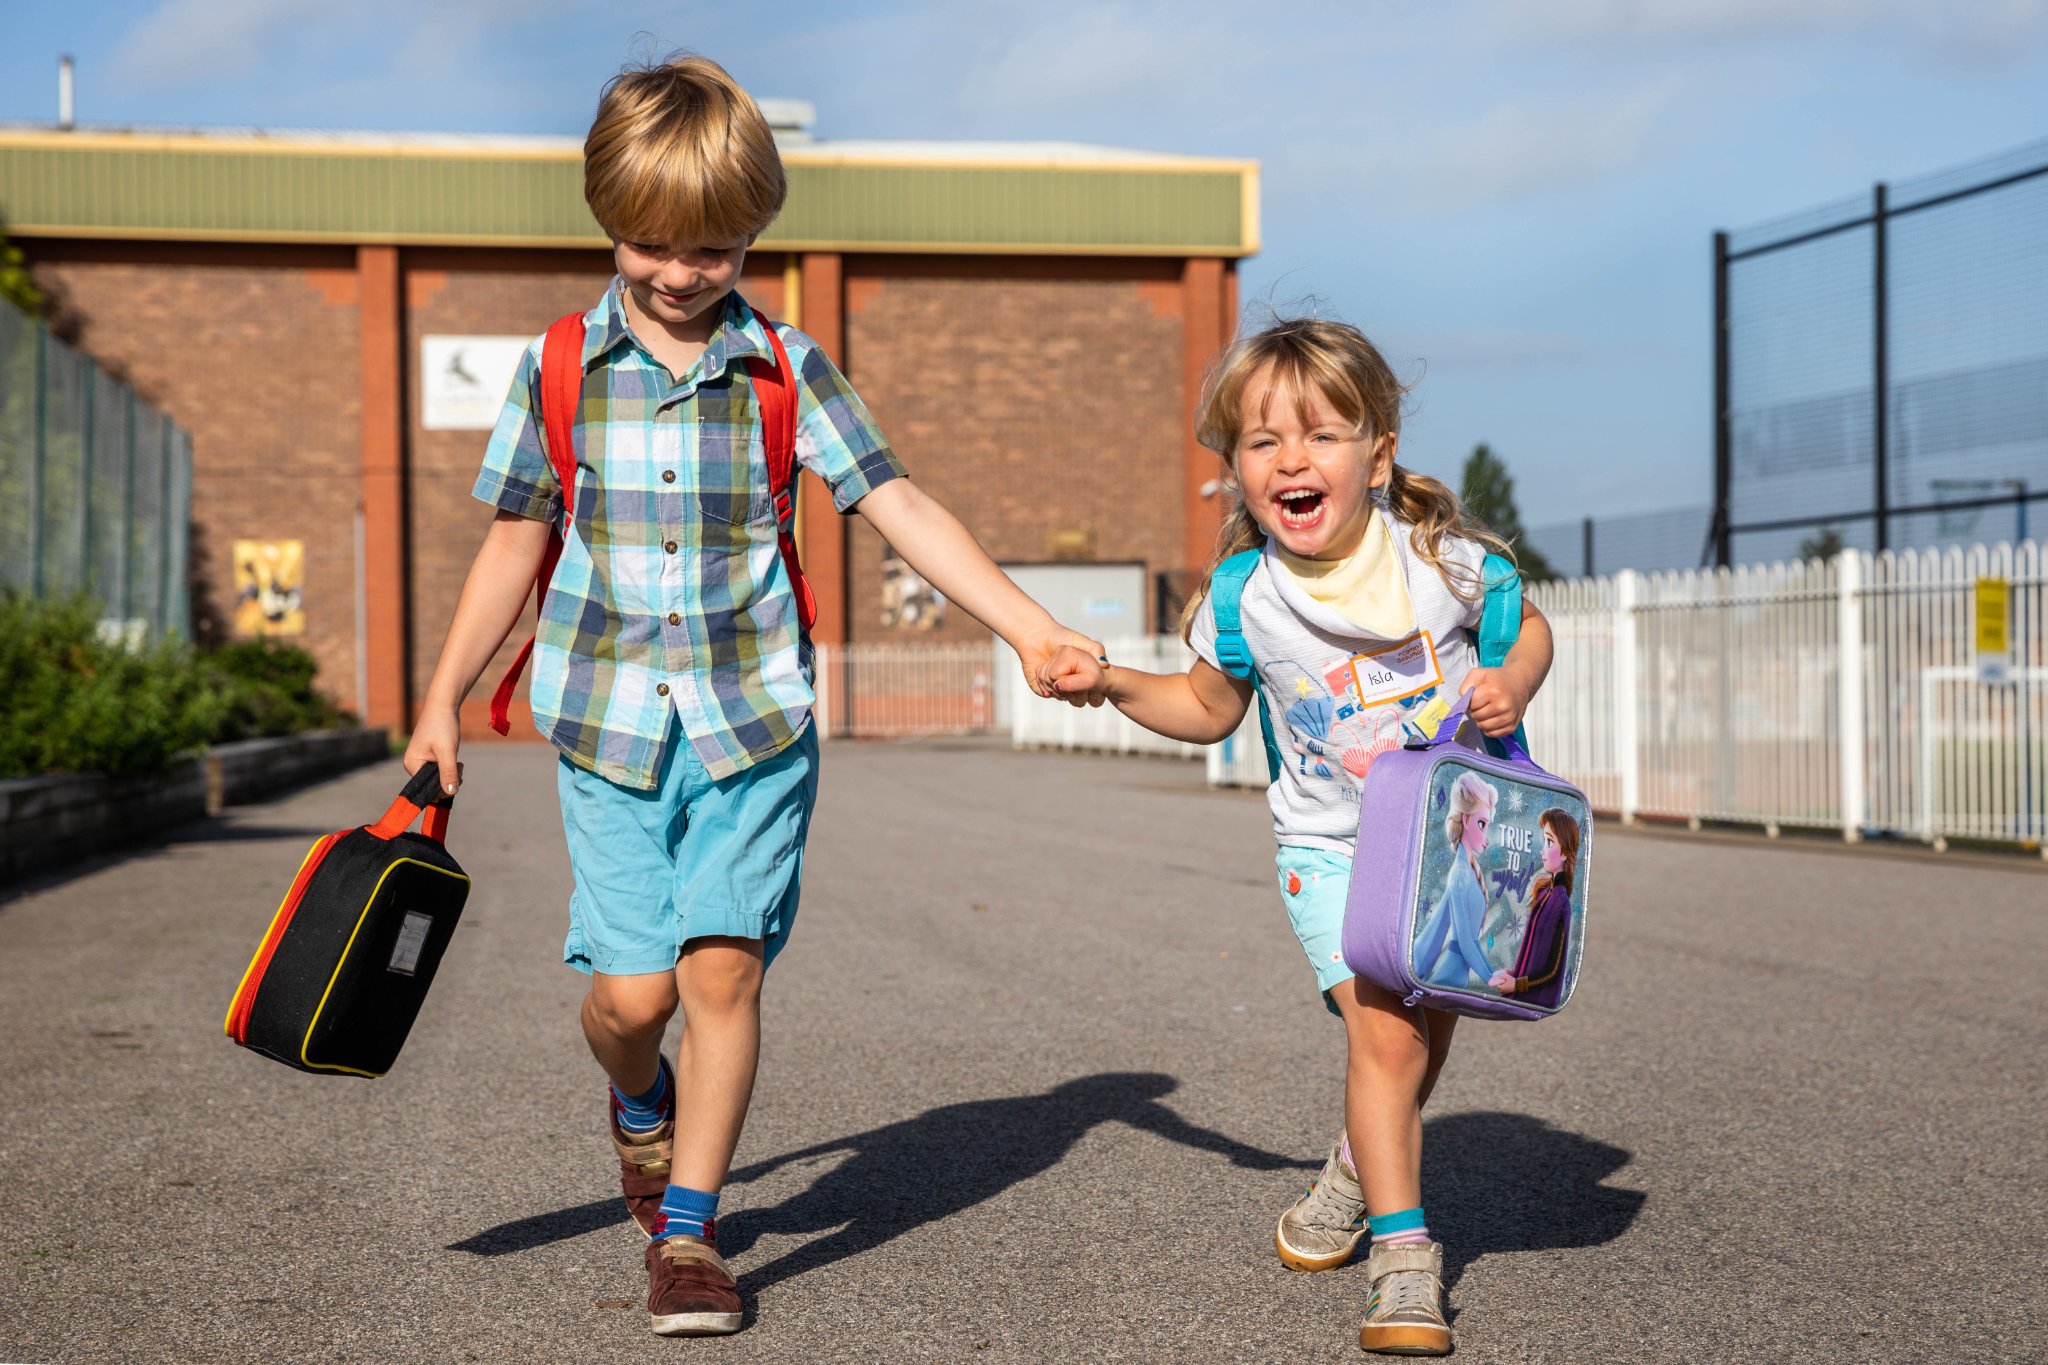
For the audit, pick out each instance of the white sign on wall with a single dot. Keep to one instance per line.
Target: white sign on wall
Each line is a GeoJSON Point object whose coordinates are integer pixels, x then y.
{"type": "Point", "coordinates": [463, 380]}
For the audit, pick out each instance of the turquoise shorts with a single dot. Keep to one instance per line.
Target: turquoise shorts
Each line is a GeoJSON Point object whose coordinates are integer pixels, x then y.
{"type": "Point", "coordinates": [691, 859]}
{"type": "Point", "coordinates": [1315, 884]}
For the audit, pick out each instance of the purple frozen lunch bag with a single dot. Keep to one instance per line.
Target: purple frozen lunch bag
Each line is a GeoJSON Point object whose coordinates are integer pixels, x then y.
{"type": "Point", "coordinates": [1468, 893]}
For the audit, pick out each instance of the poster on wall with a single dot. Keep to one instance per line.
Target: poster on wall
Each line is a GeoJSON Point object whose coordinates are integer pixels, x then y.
{"type": "Point", "coordinates": [463, 380]}
{"type": "Point", "coordinates": [908, 600]}
{"type": "Point", "coordinates": [270, 580]}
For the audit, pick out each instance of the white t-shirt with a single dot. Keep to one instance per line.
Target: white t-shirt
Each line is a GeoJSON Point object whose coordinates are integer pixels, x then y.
{"type": "Point", "coordinates": [1340, 696]}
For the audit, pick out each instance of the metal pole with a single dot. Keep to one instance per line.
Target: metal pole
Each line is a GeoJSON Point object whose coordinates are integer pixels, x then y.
{"type": "Point", "coordinates": [127, 540]}
{"type": "Point", "coordinates": [2019, 504]}
{"type": "Point", "coordinates": [86, 462]}
{"type": "Point", "coordinates": [1723, 445]}
{"type": "Point", "coordinates": [1586, 545]}
{"type": "Point", "coordinates": [1880, 342]}
{"type": "Point", "coordinates": [166, 591]}
{"type": "Point", "coordinates": [42, 441]}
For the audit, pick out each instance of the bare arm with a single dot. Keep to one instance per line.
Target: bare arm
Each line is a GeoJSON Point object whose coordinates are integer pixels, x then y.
{"type": "Point", "coordinates": [1200, 706]}
{"type": "Point", "coordinates": [500, 579]}
{"type": "Point", "coordinates": [933, 542]}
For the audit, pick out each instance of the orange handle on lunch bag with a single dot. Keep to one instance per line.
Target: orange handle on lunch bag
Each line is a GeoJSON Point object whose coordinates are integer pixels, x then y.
{"type": "Point", "coordinates": [422, 793]}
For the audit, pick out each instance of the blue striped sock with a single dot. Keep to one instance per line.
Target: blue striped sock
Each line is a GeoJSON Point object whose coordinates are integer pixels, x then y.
{"type": "Point", "coordinates": [1405, 1228]}
{"type": "Point", "coordinates": [645, 1113]}
{"type": "Point", "coordinates": [686, 1211]}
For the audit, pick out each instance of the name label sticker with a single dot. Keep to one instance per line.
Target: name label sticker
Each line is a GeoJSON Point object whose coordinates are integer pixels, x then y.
{"type": "Point", "coordinates": [412, 941]}
{"type": "Point", "coordinates": [1406, 668]}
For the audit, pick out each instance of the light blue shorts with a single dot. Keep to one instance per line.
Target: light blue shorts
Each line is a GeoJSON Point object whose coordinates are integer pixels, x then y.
{"type": "Point", "coordinates": [1315, 884]}
{"type": "Point", "coordinates": [691, 859]}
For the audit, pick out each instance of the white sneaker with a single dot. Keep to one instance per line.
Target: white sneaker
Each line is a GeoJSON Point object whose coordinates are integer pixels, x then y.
{"type": "Point", "coordinates": [1405, 1316]}
{"type": "Point", "coordinates": [1323, 1228]}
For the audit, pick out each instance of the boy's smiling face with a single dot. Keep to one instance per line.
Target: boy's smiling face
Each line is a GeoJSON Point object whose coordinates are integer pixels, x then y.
{"type": "Point", "coordinates": [680, 288]}
{"type": "Point", "coordinates": [1307, 474]}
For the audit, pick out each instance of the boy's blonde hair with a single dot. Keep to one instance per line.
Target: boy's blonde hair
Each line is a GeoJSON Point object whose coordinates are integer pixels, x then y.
{"type": "Point", "coordinates": [1332, 359]}
{"type": "Point", "coordinates": [680, 156]}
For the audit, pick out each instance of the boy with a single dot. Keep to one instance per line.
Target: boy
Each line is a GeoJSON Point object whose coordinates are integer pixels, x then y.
{"type": "Point", "coordinates": [670, 667]}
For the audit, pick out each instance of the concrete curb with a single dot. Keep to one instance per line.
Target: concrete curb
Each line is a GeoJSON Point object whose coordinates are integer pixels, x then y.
{"type": "Point", "coordinates": [45, 821]}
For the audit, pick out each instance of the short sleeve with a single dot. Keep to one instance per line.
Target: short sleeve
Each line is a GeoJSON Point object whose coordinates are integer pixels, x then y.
{"type": "Point", "coordinates": [836, 436]}
{"type": "Point", "coordinates": [1469, 577]}
{"type": "Point", "coordinates": [1202, 630]}
{"type": "Point", "coordinates": [517, 476]}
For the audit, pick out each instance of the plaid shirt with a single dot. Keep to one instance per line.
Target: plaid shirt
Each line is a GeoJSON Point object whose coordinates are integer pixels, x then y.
{"type": "Point", "coordinates": [671, 596]}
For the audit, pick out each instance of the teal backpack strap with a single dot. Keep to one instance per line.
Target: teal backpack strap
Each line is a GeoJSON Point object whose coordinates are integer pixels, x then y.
{"type": "Point", "coordinates": [1500, 617]}
{"type": "Point", "coordinates": [1226, 597]}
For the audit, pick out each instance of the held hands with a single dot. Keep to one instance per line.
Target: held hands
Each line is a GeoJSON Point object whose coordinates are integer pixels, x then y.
{"type": "Point", "coordinates": [435, 740]}
{"type": "Point", "coordinates": [1077, 678]}
{"type": "Point", "coordinates": [1502, 981]}
{"type": "Point", "coordinates": [1042, 658]}
{"type": "Point", "coordinates": [1498, 700]}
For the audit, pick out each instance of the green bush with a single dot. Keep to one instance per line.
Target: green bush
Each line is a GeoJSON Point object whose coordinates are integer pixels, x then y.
{"type": "Point", "coordinates": [72, 702]}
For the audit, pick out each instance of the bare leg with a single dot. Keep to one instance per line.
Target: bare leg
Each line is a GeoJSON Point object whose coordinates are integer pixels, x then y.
{"type": "Point", "coordinates": [623, 1020]}
{"type": "Point", "coordinates": [1387, 1067]}
{"type": "Point", "coordinates": [1439, 1025]}
{"type": "Point", "coordinates": [719, 983]}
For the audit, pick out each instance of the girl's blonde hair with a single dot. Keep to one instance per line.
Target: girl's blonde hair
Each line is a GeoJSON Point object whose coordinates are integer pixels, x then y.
{"type": "Point", "coordinates": [680, 156]}
{"type": "Point", "coordinates": [1311, 356]}
{"type": "Point", "coordinates": [1469, 793]}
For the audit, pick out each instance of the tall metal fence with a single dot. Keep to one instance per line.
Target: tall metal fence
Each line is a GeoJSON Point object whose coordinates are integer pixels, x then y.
{"type": "Point", "coordinates": [1881, 366]}
{"type": "Point", "coordinates": [95, 485]}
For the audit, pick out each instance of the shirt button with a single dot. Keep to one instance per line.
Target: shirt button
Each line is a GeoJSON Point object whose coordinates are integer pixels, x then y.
{"type": "Point", "coordinates": [669, 546]}
{"type": "Point", "coordinates": [675, 618]}
{"type": "Point", "coordinates": [668, 476]}
{"type": "Point", "coordinates": [661, 689]}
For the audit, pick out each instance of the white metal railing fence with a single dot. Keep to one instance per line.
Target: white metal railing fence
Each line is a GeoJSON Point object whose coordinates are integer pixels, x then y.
{"type": "Point", "coordinates": [892, 691]}
{"type": "Point", "coordinates": [1842, 695]}
{"type": "Point", "coordinates": [1038, 724]}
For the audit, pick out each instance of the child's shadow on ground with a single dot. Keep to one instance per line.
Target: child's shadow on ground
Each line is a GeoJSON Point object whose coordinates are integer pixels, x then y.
{"type": "Point", "coordinates": [1496, 1182]}
{"type": "Point", "coordinates": [904, 1175]}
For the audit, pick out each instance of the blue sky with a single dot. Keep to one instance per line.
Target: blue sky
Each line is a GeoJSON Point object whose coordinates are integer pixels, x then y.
{"type": "Point", "coordinates": [1515, 197]}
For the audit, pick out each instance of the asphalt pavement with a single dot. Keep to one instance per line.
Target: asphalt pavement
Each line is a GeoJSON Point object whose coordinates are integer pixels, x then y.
{"type": "Point", "coordinates": [1043, 1064]}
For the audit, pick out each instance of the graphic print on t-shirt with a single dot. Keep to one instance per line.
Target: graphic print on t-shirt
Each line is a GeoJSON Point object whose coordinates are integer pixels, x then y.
{"type": "Point", "coordinates": [1366, 704]}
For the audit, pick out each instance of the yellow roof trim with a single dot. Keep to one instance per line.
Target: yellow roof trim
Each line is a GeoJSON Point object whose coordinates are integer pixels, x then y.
{"type": "Point", "coordinates": [26, 231]}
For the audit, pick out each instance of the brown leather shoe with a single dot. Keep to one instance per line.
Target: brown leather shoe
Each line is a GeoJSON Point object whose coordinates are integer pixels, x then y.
{"type": "Point", "coordinates": [690, 1293]}
{"type": "Point", "coordinates": [644, 1160]}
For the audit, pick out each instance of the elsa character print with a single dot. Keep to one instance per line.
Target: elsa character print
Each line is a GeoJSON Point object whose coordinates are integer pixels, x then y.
{"type": "Point", "coordinates": [1449, 951]}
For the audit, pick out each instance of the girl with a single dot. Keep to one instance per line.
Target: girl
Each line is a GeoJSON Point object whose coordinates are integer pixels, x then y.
{"type": "Point", "coordinates": [1366, 597]}
{"type": "Point", "coordinates": [1450, 941]}
{"type": "Point", "coordinates": [1538, 966]}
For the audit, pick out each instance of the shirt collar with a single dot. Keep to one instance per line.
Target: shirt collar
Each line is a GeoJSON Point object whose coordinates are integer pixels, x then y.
{"type": "Point", "coordinates": [738, 336]}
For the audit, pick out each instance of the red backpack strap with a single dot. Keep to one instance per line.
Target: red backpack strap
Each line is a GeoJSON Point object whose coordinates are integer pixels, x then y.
{"type": "Point", "coordinates": [561, 390]}
{"type": "Point", "coordinates": [775, 391]}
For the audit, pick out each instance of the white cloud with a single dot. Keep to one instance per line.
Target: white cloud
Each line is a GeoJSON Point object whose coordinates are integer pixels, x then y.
{"type": "Point", "coordinates": [190, 40]}
{"type": "Point", "coordinates": [1514, 150]}
{"type": "Point", "coordinates": [1982, 29]}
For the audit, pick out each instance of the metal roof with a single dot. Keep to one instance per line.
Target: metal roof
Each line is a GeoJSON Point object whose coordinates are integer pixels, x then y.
{"type": "Point", "coordinates": [248, 184]}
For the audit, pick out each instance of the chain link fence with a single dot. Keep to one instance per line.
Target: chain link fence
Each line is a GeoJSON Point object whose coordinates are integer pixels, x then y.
{"type": "Point", "coordinates": [95, 486]}
{"type": "Point", "coordinates": [1881, 367]}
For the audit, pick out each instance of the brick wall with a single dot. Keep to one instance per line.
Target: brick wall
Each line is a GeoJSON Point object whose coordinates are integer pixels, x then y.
{"type": "Point", "coordinates": [254, 351]}
{"type": "Point", "coordinates": [1029, 395]}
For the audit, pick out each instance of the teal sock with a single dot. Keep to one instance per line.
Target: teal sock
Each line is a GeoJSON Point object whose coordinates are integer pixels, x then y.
{"type": "Point", "coordinates": [1406, 1228]}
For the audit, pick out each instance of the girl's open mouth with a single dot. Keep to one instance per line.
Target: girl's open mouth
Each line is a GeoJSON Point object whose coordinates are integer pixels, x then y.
{"type": "Point", "coordinates": [1301, 508]}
